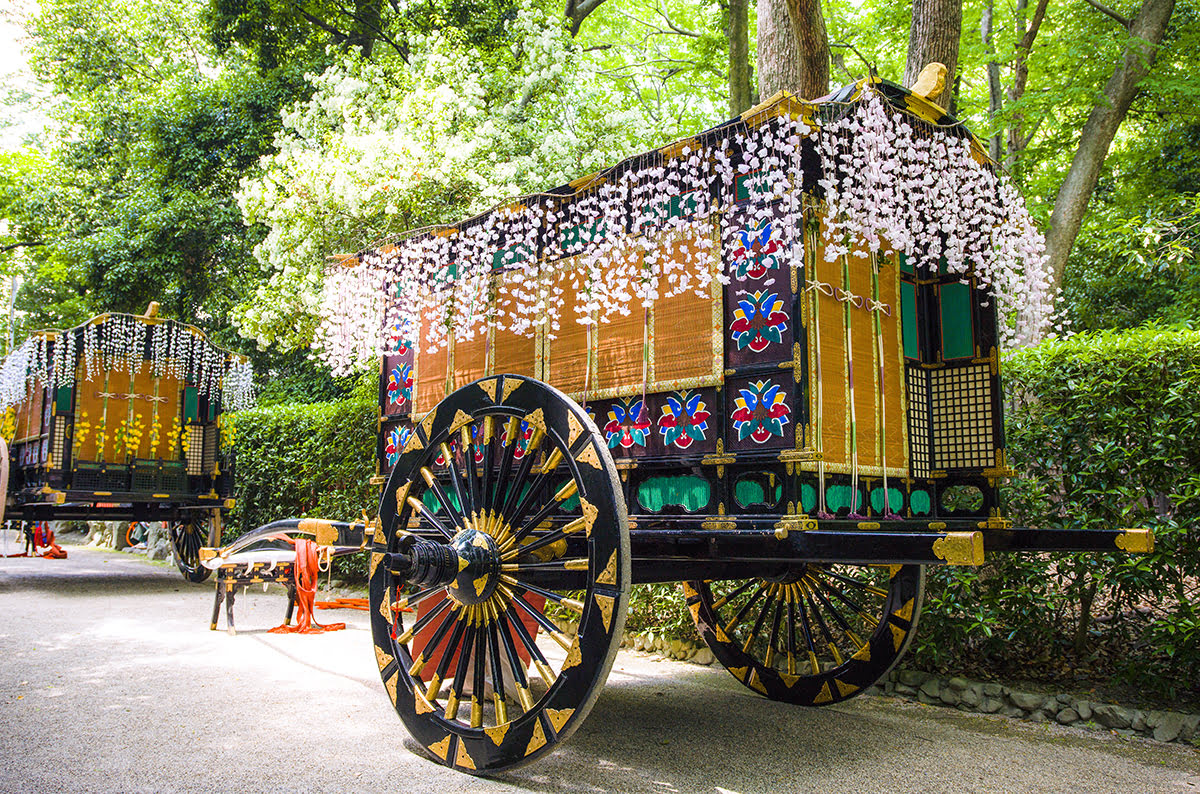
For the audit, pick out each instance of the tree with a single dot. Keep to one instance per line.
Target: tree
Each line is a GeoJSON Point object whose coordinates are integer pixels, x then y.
{"type": "Point", "coordinates": [933, 38]}
{"type": "Point", "coordinates": [1146, 30]}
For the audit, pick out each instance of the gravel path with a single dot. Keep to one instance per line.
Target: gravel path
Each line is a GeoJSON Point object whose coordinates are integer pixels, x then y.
{"type": "Point", "coordinates": [112, 682]}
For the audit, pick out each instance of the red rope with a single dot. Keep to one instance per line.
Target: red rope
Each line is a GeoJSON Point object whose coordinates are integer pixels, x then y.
{"type": "Point", "coordinates": [305, 572]}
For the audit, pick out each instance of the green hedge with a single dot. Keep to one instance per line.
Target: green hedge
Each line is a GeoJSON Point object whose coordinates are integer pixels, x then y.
{"type": "Point", "coordinates": [305, 460]}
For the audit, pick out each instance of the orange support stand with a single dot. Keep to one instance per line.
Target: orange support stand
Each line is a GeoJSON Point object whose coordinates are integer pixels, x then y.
{"type": "Point", "coordinates": [306, 571]}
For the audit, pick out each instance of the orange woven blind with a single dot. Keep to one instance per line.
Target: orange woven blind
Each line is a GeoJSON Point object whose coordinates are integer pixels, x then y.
{"type": "Point", "coordinates": [566, 359]}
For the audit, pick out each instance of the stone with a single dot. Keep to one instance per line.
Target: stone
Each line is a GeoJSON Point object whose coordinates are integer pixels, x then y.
{"type": "Point", "coordinates": [1111, 716]}
{"type": "Point", "coordinates": [994, 690]}
{"type": "Point", "coordinates": [1064, 699]}
{"type": "Point", "coordinates": [1170, 725]}
{"type": "Point", "coordinates": [958, 684]}
{"type": "Point", "coordinates": [1013, 711]}
{"type": "Point", "coordinates": [1039, 716]}
{"type": "Point", "coordinates": [703, 656]}
{"type": "Point", "coordinates": [889, 687]}
{"type": "Point", "coordinates": [1084, 709]}
{"type": "Point", "coordinates": [911, 678]}
{"type": "Point", "coordinates": [927, 700]}
{"type": "Point", "coordinates": [971, 697]}
{"type": "Point", "coordinates": [1067, 716]}
{"type": "Point", "coordinates": [991, 705]}
{"type": "Point", "coordinates": [1138, 721]}
{"type": "Point", "coordinates": [905, 691]}
{"type": "Point", "coordinates": [931, 688]}
{"type": "Point", "coordinates": [1051, 706]}
{"type": "Point", "coordinates": [950, 697]}
{"type": "Point", "coordinates": [1191, 723]}
{"type": "Point", "coordinates": [1025, 701]}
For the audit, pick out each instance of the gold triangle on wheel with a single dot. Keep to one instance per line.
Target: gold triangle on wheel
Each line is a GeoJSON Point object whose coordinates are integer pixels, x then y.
{"type": "Point", "coordinates": [420, 702]}
{"type": "Point", "coordinates": [574, 657]}
{"type": "Point", "coordinates": [441, 749]}
{"type": "Point", "coordinates": [739, 672]}
{"type": "Point", "coordinates": [510, 386]}
{"type": "Point", "coordinates": [461, 419]}
{"type": "Point", "coordinates": [824, 696]}
{"type": "Point", "coordinates": [906, 612]}
{"type": "Point", "coordinates": [497, 734]}
{"type": "Point", "coordinates": [688, 590]}
{"type": "Point", "coordinates": [845, 690]}
{"type": "Point", "coordinates": [490, 388]}
{"type": "Point", "coordinates": [589, 457]}
{"type": "Point", "coordinates": [863, 654]}
{"type": "Point", "coordinates": [462, 757]}
{"type": "Point", "coordinates": [575, 429]}
{"type": "Point", "coordinates": [414, 442]}
{"type": "Point", "coordinates": [590, 513]}
{"type": "Point", "coordinates": [897, 635]}
{"type": "Point", "coordinates": [382, 657]}
{"type": "Point", "coordinates": [606, 609]}
{"type": "Point", "coordinates": [559, 717]}
{"type": "Point", "coordinates": [385, 609]}
{"type": "Point", "coordinates": [609, 574]}
{"type": "Point", "coordinates": [755, 684]}
{"type": "Point", "coordinates": [427, 424]}
{"type": "Point", "coordinates": [538, 740]}
{"type": "Point", "coordinates": [390, 686]}
{"type": "Point", "coordinates": [789, 680]}
{"type": "Point", "coordinates": [376, 558]}
{"type": "Point", "coordinates": [721, 635]}
{"type": "Point", "coordinates": [401, 499]}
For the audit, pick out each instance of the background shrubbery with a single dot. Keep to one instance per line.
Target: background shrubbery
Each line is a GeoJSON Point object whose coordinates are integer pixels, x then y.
{"type": "Point", "coordinates": [1104, 430]}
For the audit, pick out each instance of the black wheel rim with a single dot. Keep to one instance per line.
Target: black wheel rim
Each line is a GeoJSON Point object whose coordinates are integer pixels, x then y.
{"type": "Point", "coordinates": [187, 538]}
{"type": "Point", "coordinates": [511, 474]}
{"type": "Point", "coordinates": [819, 635]}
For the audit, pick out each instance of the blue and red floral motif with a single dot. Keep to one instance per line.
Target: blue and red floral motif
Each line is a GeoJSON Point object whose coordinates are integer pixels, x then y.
{"type": "Point", "coordinates": [757, 252]}
{"type": "Point", "coordinates": [683, 420]}
{"type": "Point", "coordinates": [399, 338]}
{"type": "Point", "coordinates": [525, 433]}
{"type": "Point", "coordinates": [761, 412]}
{"type": "Point", "coordinates": [397, 437]}
{"type": "Point", "coordinates": [628, 424]}
{"type": "Point", "coordinates": [759, 320]}
{"type": "Point", "coordinates": [400, 384]}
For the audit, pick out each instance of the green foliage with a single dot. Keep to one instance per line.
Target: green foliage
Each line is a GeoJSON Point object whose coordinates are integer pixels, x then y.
{"type": "Point", "coordinates": [1103, 429]}
{"type": "Point", "coordinates": [306, 460]}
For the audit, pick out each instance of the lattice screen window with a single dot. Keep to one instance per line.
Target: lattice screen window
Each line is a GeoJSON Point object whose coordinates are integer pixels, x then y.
{"type": "Point", "coordinates": [211, 436]}
{"type": "Point", "coordinates": [962, 418]}
{"type": "Point", "coordinates": [918, 421]}
{"type": "Point", "coordinates": [58, 442]}
{"type": "Point", "coordinates": [195, 452]}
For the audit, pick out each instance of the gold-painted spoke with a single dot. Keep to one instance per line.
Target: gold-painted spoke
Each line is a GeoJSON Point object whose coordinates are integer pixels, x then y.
{"type": "Point", "coordinates": [863, 614]}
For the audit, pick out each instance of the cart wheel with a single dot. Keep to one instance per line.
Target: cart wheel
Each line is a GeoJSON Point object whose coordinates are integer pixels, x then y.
{"type": "Point", "coordinates": [187, 537]}
{"type": "Point", "coordinates": [502, 522]}
{"type": "Point", "coordinates": [819, 635]}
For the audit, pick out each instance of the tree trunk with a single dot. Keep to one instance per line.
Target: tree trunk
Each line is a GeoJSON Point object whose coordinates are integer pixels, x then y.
{"type": "Point", "coordinates": [1017, 138]}
{"type": "Point", "coordinates": [365, 26]}
{"type": "Point", "coordinates": [778, 53]}
{"type": "Point", "coordinates": [1146, 31]}
{"type": "Point", "coordinates": [737, 31]}
{"type": "Point", "coordinates": [812, 42]}
{"type": "Point", "coordinates": [995, 93]}
{"type": "Point", "coordinates": [577, 10]}
{"type": "Point", "coordinates": [933, 38]}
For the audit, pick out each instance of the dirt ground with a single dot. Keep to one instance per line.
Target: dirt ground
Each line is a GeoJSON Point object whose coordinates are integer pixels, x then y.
{"type": "Point", "coordinates": [112, 682]}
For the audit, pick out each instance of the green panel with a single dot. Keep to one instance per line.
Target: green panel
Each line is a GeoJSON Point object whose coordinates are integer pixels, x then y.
{"type": "Point", "coordinates": [808, 497]}
{"type": "Point", "coordinates": [507, 257]}
{"type": "Point", "coordinates": [906, 266]}
{"type": "Point", "coordinates": [750, 185]}
{"type": "Point", "coordinates": [431, 501]}
{"type": "Point", "coordinates": [191, 404]}
{"type": "Point", "coordinates": [895, 500]}
{"type": "Point", "coordinates": [687, 204]}
{"type": "Point", "coordinates": [688, 491]}
{"type": "Point", "coordinates": [838, 496]}
{"type": "Point", "coordinates": [749, 492]}
{"type": "Point", "coordinates": [908, 320]}
{"type": "Point", "coordinates": [63, 398]}
{"type": "Point", "coordinates": [958, 338]}
{"type": "Point", "coordinates": [919, 501]}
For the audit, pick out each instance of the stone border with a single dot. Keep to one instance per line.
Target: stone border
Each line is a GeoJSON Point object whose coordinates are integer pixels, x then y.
{"type": "Point", "coordinates": [980, 698]}
{"type": "Point", "coordinates": [964, 695]}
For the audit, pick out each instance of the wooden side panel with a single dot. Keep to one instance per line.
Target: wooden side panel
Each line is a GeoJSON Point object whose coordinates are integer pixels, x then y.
{"type": "Point", "coordinates": [470, 356]}
{"type": "Point", "coordinates": [430, 369]}
{"type": "Point", "coordinates": [683, 328]}
{"type": "Point", "coordinates": [830, 389]}
{"type": "Point", "coordinates": [511, 353]}
{"type": "Point", "coordinates": [895, 425]}
{"type": "Point", "coordinates": [865, 360]}
{"type": "Point", "coordinates": [566, 357]}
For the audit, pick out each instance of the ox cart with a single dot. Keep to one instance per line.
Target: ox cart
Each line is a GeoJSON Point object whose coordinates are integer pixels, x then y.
{"type": "Point", "coordinates": [708, 364]}
{"type": "Point", "coordinates": [120, 418]}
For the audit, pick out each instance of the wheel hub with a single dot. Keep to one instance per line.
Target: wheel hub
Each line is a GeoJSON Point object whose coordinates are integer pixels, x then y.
{"type": "Point", "coordinates": [478, 567]}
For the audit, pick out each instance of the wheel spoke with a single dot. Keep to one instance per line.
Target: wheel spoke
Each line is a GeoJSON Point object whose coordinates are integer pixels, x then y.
{"type": "Point", "coordinates": [464, 500]}
{"type": "Point", "coordinates": [478, 684]}
{"type": "Point", "coordinates": [539, 659]}
{"type": "Point", "coordinates": [427, 514]}
{"type": "Point", "coordinates": [514, 662]}
{"type": "Point", "coordinates": [521, 588]}
{"type": "Point", "coordinates": [460, 671]}
{"type": "Point", "coordinates": [875, 591]}
{"type": "Point", "coordinates": [435, 640]}
{"type": "Point", "coordinates": [498, 699]}
{"type": "Point", "coordinates": [506, 461]}
{"type": "Point", "coordinates": [809, 643]}
{"type": "Point", "coordinates": [866, 616]}
{"type": "Point", "coordinates": [763, 613]}
{"type": "Point", "coordinates": [720, 602]}
{"type": "Point", "coordinates": [769, 658]}
{"type": "Point", "coordinates": [555, 632]}
{"type": "Point", "coordinates": [456, 517]}
{"type": "Point", "coordinates": [424, 621]}
{"type": "Point", "coordinates": [439, 674]}
{"type": "Point", "coordinates": [745, 610]}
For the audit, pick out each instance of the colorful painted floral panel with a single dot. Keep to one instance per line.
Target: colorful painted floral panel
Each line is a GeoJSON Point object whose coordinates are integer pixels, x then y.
{"type": "Point", "coordinates": [525, 434]}
{"type": "Point", "coordinates": [628, 424]}
{"type": "Point", "coordinates": [393, 443]}
{"type": "Point", "coordinates": [756, 249]}
{"type": "Point", "coordinates": [758, 321]}
{"type": "Point", "coordinates": [760, 412]}
{"type": "Point", "coordinates": [399, 386]}
{"type": "Point", "coordinates": [684, 420]}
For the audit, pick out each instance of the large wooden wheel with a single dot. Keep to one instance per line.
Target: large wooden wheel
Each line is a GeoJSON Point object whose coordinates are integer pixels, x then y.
{"type": "Point", "coordinates": [818, 635]}
{"type": "Point", "coordinates": [502, 519]}
{"type": "Point", "coordinates": [187, 538]}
